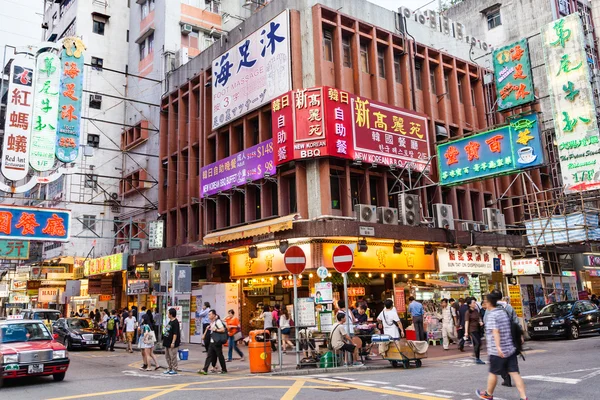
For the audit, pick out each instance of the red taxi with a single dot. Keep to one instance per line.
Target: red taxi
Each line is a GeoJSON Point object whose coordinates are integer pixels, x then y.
{"type": "Point", "coordinates": [27, 348]}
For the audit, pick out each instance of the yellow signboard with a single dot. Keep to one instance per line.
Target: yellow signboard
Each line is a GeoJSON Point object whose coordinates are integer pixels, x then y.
{"type": "Point", "coordinates": [268, 261]}
{"type": "Point", "coordinates": [103, 265]}
{"type": "Point", "coordinates": [514, 292]}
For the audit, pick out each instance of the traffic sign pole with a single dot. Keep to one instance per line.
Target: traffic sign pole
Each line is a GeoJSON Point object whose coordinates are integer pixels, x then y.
{"type": "Point", "coordinates": [345, 275]}
{"type": "Point", "coordinates": [296, 321]}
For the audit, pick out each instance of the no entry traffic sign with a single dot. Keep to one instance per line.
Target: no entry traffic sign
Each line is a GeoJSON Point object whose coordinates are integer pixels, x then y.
{"type": "Point", "coordinates": [294, 260]}
{"type": "Point", "coordinates": [343, 258]}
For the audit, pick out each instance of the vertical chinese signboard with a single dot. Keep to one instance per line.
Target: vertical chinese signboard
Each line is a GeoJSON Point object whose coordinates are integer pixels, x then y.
{"type": "Point", "coordinates": [70, 100]}
{"type": "Point", "coordinates": [19, 107]}
{"type": "Point", "coordinates": [45, 112]}
{"type": "Point", "coordinates": [28, 223]}
{"type": "Point", "coordinates": [572, 99]}
{"type": "Point", "coordinates": [253, 72]}
{"type": "Point", "coordinates": [512, 75]}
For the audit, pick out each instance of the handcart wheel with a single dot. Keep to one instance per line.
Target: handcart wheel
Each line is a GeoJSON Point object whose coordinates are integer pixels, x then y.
{"type": "Point", "coordinates": [394, 364]}
{"type": "Point", "coordinates": [418, 363]}
{"type": "Point", "coordinates": [405, 364]}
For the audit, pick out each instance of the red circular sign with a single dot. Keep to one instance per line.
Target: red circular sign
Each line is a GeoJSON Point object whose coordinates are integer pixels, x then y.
{"type": "Point", "coordinates": [294, 260]}
{"type": "Point", "coordinates": [343, 258]}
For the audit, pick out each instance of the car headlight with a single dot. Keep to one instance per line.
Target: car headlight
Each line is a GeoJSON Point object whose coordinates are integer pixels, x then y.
{"type": "Point", "coordinates": [10, 359]}
{"type": "Point", "coordinates": [75, 336]}
{"type": "Point", "coordinates": [59, 354]}
{"type": "Point", "coordinates": [559, 321]}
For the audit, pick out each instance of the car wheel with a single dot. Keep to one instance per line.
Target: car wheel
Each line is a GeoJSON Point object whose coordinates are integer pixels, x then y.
{"type": "Point", "coordinates": [68, 344]}
{"type": "Point", "coordinates": [59, 377]}
{"type": "Point", "coordinates": [573, 332]}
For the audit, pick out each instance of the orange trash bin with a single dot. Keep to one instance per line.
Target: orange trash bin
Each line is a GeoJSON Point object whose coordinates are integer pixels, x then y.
{"type": "Point", "coordinates": [259, 349]}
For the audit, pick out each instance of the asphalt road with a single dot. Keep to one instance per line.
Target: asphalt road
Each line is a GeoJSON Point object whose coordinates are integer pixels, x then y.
{"type": "Point", "coordinates": [553, 370]}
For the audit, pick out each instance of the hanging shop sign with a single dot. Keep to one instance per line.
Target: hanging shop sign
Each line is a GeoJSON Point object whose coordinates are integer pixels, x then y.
{"type": "Point", "coordinates": [59, 276]}
{"type": "Point", "coordinates": [512, 75]}
{"type": "Point", "coordinates": [156, 232]}
{"type": "Point", "coordinates": [268, 261]}
{"type": "Point", "coordinates": [70, 100]}
{"type": "Point", "coordinates": [45, 112]}
{"type": "Point", "coordinates": [253, 72]}
{"type": "Point", "coordinates": [138, 286]}
{"type": "Point", "coordinates": [472, 260]}
{"type": "Point", "coordinates": [571, 94]}
{"type": "Point", "coordinates": [4, 292]}
{"type": "Point", "coordinates": [248, 165]}
{"type": "Point", "coordinates": [527, 266]}
{"type": "Point", "coordinates": [500, 151]}
{"type": "Point", "coordinates": [42, 272]}
{"type": "Point", "coordinates": [324, 121]}
{"type": "Point", "coordinates": [356, 291]}
{"type": "Point", "coordinates": [18, 298]}
{"type": "Point", "coordinates": [289, 283]}
{"type": "Point", "coordinates": [14, 249]}
{"type": "Point", "coordinates": [34, 285]}
{"type": "Point", "coordinates": [48, 295]}
{"type": "Point", "coordinates": [29, 223]}
{"type": "Point", "coordinates": [18, 285]}
{"type": "Point", "coordinates": [323, 293]}
{"type": "Point", "coordinates": [106, 264]}
{"type": "Point", "coordinates": [19, 109]}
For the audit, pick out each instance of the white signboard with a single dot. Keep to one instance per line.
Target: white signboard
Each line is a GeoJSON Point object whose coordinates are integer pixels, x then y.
{"type": "Point", "coordinates": [4, 292]}
{"type": "Point", "coordinates": [306, 312]}
{"type": "Point", "coordinates": [48, 295]}
{"type": "Point", "coordinates": [17, 128]}
{"type": "Point", "coordinates": [18, 298]}
{"type": "Point", "coordinates": [527, 266]}
{"type": "Point", "coordinates": [155, 234]}
{"type": "Point", "coordinates": [253, 72]}
{"type": "Point", "coordinates": [471, 260]}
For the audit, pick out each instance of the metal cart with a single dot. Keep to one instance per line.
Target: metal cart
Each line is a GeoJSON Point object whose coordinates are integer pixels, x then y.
{"type": "Point", "coordinates": [402, 352]}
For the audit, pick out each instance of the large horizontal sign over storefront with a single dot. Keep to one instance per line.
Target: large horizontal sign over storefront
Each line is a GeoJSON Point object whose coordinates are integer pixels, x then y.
{"type": "Point", "coordinates": [472, 260]}
{"type": "Point", "coordinates": [496, 152]}
{"type": "Point", "coordinates": [29, 223]}
{"type": "Point", "coordinates": [253, 72]}
{"type": "Point", "coordinates": [324, 121]}
{"type": "Point", "coordinates": [106, 264]}
{"type": "Point", "coordinates": [251, 164]}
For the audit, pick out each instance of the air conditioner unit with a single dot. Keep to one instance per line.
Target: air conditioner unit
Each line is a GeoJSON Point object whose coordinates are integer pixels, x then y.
{"type": "Point", "coordinates": [181, 57]}
{"type": "Point", "coordinates": [501, 224]}
{"type": "Point", "coordinates": [96, 97]}
{"type": "Point", "coordinates": [491, 217]}
{"type": "Point", "coordinates": [387, 215]}
{"type": "Point", "coordinates": [470, 226]}
{"type": "Point", "coordinates": [186, 29]}
{"type": "Point", "coordinates": [365, 213]}
{"type": "Point", "coordinates": [443, 216]}
{"type": "Point", "coordinates": [409, 207]}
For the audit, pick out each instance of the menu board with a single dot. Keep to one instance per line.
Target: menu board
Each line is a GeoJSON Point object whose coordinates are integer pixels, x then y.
{"type": "Point", "coordinates": [400, 301]}
{"type": "Point", "coordinates": [306, 312]}
{"type": "Point", "coordinates": [325, 321]}
{"type": "Point", "coordinates": [514, 292]}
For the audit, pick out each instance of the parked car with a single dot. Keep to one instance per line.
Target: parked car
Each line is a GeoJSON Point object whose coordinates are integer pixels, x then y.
{"type": "Point", "coordinates": [565, 319]}
{"type": "Point", "coordinates": [27, 348]}
{"type": "Point", "coordinates": [79, 333]}
{"type": "Point", "coordinates": [43, 314]}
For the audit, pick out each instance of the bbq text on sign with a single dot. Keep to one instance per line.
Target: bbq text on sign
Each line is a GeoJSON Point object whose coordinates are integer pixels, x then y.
{"type": "Point", "coordinates": [512, 74]}
{"type": "Point", "coordinates": [29, 223]}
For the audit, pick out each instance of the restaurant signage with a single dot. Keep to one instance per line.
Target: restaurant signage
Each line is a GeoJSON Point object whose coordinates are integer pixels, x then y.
{"type": "Point", "coordinates": [138, 286]}
{"type": "Point", "coordinates": [251, 164]}
{"type": "Point", "coordinates": [472, 260]}
{"type": "Point", "coordinates": [269, 261]}
{"type": "Point", "coordinates": [29, 223]}
{"type": "Point", "coordinates": [106, 264]}
{"type": "Point", "coordinates": [512, 75]}
{"type": "Point", "coordinates": [499, 151]}
{"type": "Point", "coordinates": [14, 249]}
{"type": "Point", "coordinates": [253, 72]}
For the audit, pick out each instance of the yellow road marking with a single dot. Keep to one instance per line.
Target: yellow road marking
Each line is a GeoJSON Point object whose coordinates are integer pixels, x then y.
{"type": "Point", "coordinates": [140, 389]}
{"type": "Point", "coordinates": [293, 390]}
{"type": "Point", "coordinates": [189, 389]}
{"type": "Point", "coordinates": [166, 391]}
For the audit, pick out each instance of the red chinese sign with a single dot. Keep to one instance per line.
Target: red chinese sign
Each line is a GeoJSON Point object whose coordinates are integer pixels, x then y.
{"type": "Point", "coordinates": [325, 121]}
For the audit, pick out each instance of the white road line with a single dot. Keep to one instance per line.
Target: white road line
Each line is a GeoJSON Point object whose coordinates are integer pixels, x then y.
{"type": "Point", "coordinates": [332, 380]}
{"type": "Point", "coordinates": [412, 387]}
{"type": "Point", "coordinates": [397, 389]}
{"type": "Point", "coordinates": [436, 394]}
{"type": "Point", "coordinates": [363, 384]}
{"type": "Point", "coordinates": [446, 391]}
{"type": "Point", "coordinates": [378, 382]}
{"type": "Point", "coordinates": [343, 378]}
{"type": "Point", "coordinates": [555, 379]}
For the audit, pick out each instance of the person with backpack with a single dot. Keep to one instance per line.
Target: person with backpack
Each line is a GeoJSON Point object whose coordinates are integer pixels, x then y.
{"type": "Point", "coordinates": [218, 338]}
{"type": "Point", "coordinates": [112, 326]}
{"type": "Point", "coordinates": [505, 304]}
{"type": "Point", "coordinates": [500, 338]}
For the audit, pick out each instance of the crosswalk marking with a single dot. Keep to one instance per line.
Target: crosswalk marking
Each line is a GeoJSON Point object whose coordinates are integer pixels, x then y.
{"type": "Point", "coordinates": [451, 392]}
{"type": "Point", "coordinates": [378, 382]}
{"type": "Point", "coordinates": [437, 395]}
{"type": "Point", "coordinates": [363, 384]}
{"type": "Point", "coordinates": [555, 379]}
{"type": "Point", "coordinates": [343, 378]}
{"type": "Point", "coordinates": [412, 387]}
{"type": "Point", "coordinates": [397, 389]}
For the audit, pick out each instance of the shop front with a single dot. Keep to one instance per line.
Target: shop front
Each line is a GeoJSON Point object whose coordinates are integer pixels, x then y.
{"type": "Point", "coordinates": [587, 268]}
{"type": "Point", "coordinates": [106, 278]}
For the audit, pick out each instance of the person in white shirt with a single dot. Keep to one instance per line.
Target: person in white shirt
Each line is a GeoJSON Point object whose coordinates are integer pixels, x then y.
{"type": "Point", "coordinates": [447, 323]}
{"type": "Point", "coordinates": [130, 325]}
{"type": "Point", "coordinates": [105, 318]}
{"type": "Point", "coordinates": [390, 320]}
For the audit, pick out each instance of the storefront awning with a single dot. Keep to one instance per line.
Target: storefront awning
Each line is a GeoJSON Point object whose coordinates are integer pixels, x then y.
{"type": "Point", "coordinates": [259, 228]}
{"type": "Point", "coordinates": [436, 282]}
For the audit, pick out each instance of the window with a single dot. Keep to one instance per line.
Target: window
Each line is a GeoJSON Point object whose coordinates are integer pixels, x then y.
{"type": "Point", "coordinates": [98, 27]}
{"type": "Point", "coordinates": [96, 101]}
{"type": "Point", "coordinates": [151, 43]}
{"type": "Point", "coordinates": [97, 63]}
{"type": "Point", "coordinates": [346, 52]}
{"type": "Point", "coordinates": [397, 69]}
{"type": "Point", "coordinates": [213, 6]}
{"type": "Point", "coordinates": [493, 18]}
{"type": "Point", "coordinates": [142, 50]}
{"type": "Point", "coordinates": [418, 71]}
{"type": "Point", "coordinates": [460, 89]}
{"type": "Point", "coordinates": [88, 222]}
{"type": "Point", "coordinates": [127, 36]}
{"type": "Point", "coordinates": [381, 62]}
{"type": "Point", "coordinates": [327, 45]}
{"type": "Point", "coordinates": [144, 10]}
{"type": "Point", "coordinates": [334, 183]}
{"type": "Point", "coordinates": [93, 140]}
{"type": "Point", "coordinates": [91, 181]}
{"type": "Point", "coordinates": [432, 80]}
{"type": "Point", "coordinates": [364, 58]}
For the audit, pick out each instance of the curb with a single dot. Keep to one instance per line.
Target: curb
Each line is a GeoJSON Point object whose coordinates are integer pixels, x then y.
{"type": "Point", "coordinates": [312, 371]}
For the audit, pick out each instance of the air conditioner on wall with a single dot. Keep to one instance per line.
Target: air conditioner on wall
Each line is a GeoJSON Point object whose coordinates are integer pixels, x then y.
{"type": "Point", "coordinates": [181, 57]}
{"type": "Point", "coordinates": [470, 226]}
{"type": "Point", "coordinates": [387, 215]}
{"type": "Point", "coordinates": [186, 29]}
{"type": "Point", "coordinates": [409, 207]}
{"type": "Point", "coordinates": [493, 218]}
{"type": "Point", "coordinates": [365, 213]}
{"type": "Point", "coordinates": [443, 216]}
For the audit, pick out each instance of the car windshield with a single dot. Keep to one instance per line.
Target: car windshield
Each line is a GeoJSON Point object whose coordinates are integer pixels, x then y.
{"type": "Point", "coordinates": [77, 323]}
{"type": "Point", "coordinates": [24, 332]}
{"type": "Point", "coordinates": [47, 315]}
{"type": "Point", "coordinates": [557, 308]}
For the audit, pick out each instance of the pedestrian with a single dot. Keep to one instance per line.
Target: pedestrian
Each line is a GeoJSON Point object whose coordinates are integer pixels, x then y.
{"type": "Point", "coordinates": [268, 325]}
{"type": "Point", "coordinates": [105, 318]}
{"type": "Point", "coordinates": [233, 328]}
{"type": "Point", "coordinates": [447, 323]}
{"type": "Point", "coordinates": [124, 315]}
{"type": "Point", "coordinates": [205, 324]}
{"type": "Point", "coordinates": [595, 300]}
{"type": "Point", "coordinates": [92, 317]}
{"type": "Point", "coordinates": [171, 341]}
{"type": "Point", "coordinates": [217, 340]}
{"type": "Point", "coordinates": [388, 317]}
{"type": "Point", "coordinates": [147, 342]}
{"type": "Point", "coordinates": [112, 327]}
{"type": "Point", "coordinates": [473, 326]}
{"type": "Point", "coordinates": [157, 322]}
{"type": "Point", "coordinates": [501, 350]}
{"type": "Point", "coordinates": [462, 311]}
{"type": "Point", "coordinates": [342, 309]}
{"type": "Point", "coordinates": [130, 324]}
{"type": "Point", "coordinates": [276, 313]}
{"type": "Point", "coordinates": [340, 340]}
{"type": "Point", "coordinates": [285, 323]}
{"type": "Point", "coordinates": [416, 311]}
{"type": "Point", "coordinates": [80, 313]}
{"type": "Point", "coordinates": [512, 314]}
{"type": "Point", "coordinates": [97, 318]}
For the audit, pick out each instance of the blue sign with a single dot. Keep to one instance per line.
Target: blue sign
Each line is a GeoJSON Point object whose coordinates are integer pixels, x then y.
{"type": "Point", "coordinates": [500, 151]}
{"type": "Point", "coordinates": [30, 223]}
{"type": "Point", "coordinates": [496, 264]}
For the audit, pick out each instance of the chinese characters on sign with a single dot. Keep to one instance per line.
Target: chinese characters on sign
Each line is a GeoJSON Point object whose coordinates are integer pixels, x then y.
{"type": "Point", "coordinates": [29, 223]}
{"type": "Point", "coordinates": [17, 128]}
{"type": "Point", "coordinates": [573, 103]}
{"type": "Point", "coordinates": [512, 74]}
{"type": "Point", "coordinates": [253, 72]}
{"type": "Point", "coordinates": [500, 151]}
{"type": "Point", "coordinates": [472, 260]}
{"type": "Point", "coordinates": [70, 100]}
{"type": "Point", "coordinates": [45, 112]}
{"type": "Point", "coordinates": [527, 266]}
{"type": "Point", "coordinates": [251, 164]}
{"type": "Point", "coordinates": [14, 249]}
{"type": "Point", "coordinates": [106, 264]}
{"type": "Point", "coordinates": [156, 234]}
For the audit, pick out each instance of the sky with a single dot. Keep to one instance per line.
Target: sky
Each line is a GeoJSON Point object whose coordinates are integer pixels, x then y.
{"type": "Point", "coordinates": [20, 23]}
{"type": "Point", "coordinates": [410, 4]}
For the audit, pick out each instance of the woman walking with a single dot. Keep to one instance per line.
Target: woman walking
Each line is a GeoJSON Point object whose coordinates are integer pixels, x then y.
{"type": "Point", "coordinates": [473, 324]}
{"type": "Point", "coordinates": [218, 338]}
{"type": "Point", "coordinates": [286, 328]}
{"type": "Point", "coordinates": [147, 342]}
{"type": "Point", "coordinates": [233, 327]}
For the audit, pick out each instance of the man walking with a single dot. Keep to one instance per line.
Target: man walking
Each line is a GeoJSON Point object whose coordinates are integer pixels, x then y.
{"type": "Point", "coordinates": [130, 325]}
{"type": "Point", "coordinates": [447, 324]}
{"type": "Point", "coordinates": [416, 311]}
{"type": "Point", "coordinates": [203, 315]}
{"type": "Point", "coordinates": [505, 303]}
{"type": "Point", "coordinates": [500, 348]}
{"type": "Point", "coordinates": [171, 341]}
{"type": "Point", "coordinates": [112, 327]}
{"type": "Point", "coordinates": [462, 311]}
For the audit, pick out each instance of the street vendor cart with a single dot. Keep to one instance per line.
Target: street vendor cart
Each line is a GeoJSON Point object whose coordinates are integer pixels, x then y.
{"type": "Point", "coordinates": [401, 352]}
